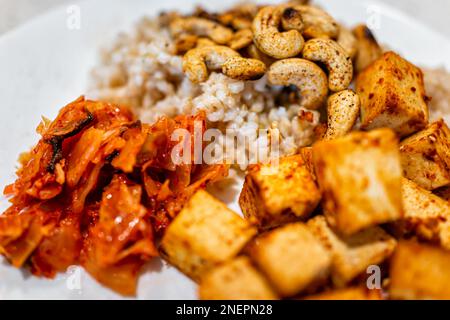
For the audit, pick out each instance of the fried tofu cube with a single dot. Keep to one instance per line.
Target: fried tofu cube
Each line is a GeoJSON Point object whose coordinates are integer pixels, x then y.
{"type": "Point", "coordinates": [420, 272]}
{"type": "Point", "coordinates": [235, 280]}
{"type": "Point", "coordinates": [425, 156]}
{"type": "Point", "coordinates": [292, 259]}
{"type": "Point", "coordinates": [392, 95]}
{"type": "Point", "coordinates": [276, 194]}
{"type": "Point", "coordinates": [349, 294]}
{"type": "Point", "coordinates": [360, 179]}
{"type": "Point", "coordinates": [426, 215]}
{"type": "Point", "coordinates": [203, 235]}
{"type": "Point", "coordinates": [352, 255]}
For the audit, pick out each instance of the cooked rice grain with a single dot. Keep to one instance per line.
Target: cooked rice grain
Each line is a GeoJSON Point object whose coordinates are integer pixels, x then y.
{"type": "Point", "coordinates": [437, 83]}
{"type": "Point", "coordinates": [141, 70]}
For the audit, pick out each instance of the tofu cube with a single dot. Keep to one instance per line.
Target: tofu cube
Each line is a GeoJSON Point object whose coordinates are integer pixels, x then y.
{"type": "Point", "coordinates": [392, 95]}
{"type": "Point", "coordinates": [420, 272]}
{"type": "Point", "coordinates": [349, 294]}
{"type": "Point", "coordinates": [426, 215]}
{"type": "Point", "coordinates": [360, 179]}
{"type": "Point", "coordinates": [291, 258]}
{"type": "Point", "coordinates": [276, 194]}
{"type": "Point", "coordinates": [235, 280]}
{"type": "Point", "coordinates": [425, 156]}
{"type": "Point", "coordinates": [203, 235]}
{"type": "Point", "coordinates": [351, 256]}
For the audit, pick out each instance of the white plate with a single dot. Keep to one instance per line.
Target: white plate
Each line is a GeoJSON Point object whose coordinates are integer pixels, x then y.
{"type": "Point", "coordinates": [45, 64]}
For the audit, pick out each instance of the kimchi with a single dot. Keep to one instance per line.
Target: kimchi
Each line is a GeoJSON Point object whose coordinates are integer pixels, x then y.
{"type": "Point", "coordinates": [97, 190]}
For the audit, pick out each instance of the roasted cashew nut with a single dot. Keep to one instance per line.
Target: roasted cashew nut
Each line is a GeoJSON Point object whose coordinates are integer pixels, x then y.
{"type": "Point", "coordinates": [205, 42]}
{"type": "Point", "coordinates": [317, 23]}
{"type": "Point", "coordinates": [202, 28]}
{"type": "Point", "coordinates": [184, 43]}
{"type": "Point", "coordinates": [308, 77]}
{"type": "Point", "coordinates": [270, 40]}
{"type": "Point", "coordinates": [197, 62]}
{"type": "Point", "coordinates": [291, 19]}
{"type": "Point", "coordinates": [335, 58]}
{"type": "Point", "coordinates": [241, 39]}
{"type": "Point", "coordinates": [243, 69]}
{"type": "Point", "coordinates": [343, 111]}
{"type": "Point", "coordinates": [347, 40]}
{"type": "Point", "coordinates": [368, 48]}
{"type": "Point", "coordinates": [239, 17]}
{"type": "Point", "coordinates": [254, 53]}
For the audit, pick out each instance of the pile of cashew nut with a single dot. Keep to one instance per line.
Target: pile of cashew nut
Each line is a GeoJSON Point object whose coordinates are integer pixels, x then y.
{"type": "Point", "coordinates": [293, 44]}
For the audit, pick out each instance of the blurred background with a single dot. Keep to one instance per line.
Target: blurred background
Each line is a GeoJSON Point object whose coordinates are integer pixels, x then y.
{"type": "Point", "coordinates": [434, 13]}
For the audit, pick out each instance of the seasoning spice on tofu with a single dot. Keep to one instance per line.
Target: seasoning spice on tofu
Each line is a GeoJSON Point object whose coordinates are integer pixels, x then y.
{"type": "Point", "coordinates": [204, 234]}
{"type": "Point", "coordinates": [425, 156]}
{"type": "Point", "coordinates": [352, 255]}
{"type": "Point", "coordinates": [426, 215]}
{"type": "Point", "coordinates": [281, 193]}
{"type": "Point", "coordinates": [392, 95]}
{"type": "Point", "coordinates": [420, 272]}
{"type": "Point", "coordinates": [360, 179]}
{"type": "Point", "coordinates": [292, 259]}
{"type": "Point", "coordinates": [235, 280]}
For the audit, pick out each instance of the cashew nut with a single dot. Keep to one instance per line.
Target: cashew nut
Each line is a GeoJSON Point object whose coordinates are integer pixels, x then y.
{"type": "Point", "coordinates": [348, 41]}
{"type": "Point", "coordinates": [292, 19]}
{"type": "Point", "coordinates": [309, 78]}
{"type": "Point", "coordinates": [343, 111]}
{"type": "Point", "coordinates": [239, 17]}
{"type": "Point", "coordinates": [205, 42]}
{"type": "Point", "coordinates": [165, 18]}
{"type": "Point", "coordinates": [317, 23]}
{"type": "Point", "coordinates": [368, 48]}
{"type": "Point", "coordinates": [184, 43]}
{"type": "Point", "coordinates": [197, 62]}
{"type": "Point", "coordinates": [243, 69]}
{"type": "Point", "coordinates": [270, 40]}
{"type": "Point", "coordinates": [202, 28]}
{"type": "Point", "coordinates": [339, 64]}
{"type": "Point", "coordinates": [255, 53]}
{"type": "Point", "coordinates": [241, 39]}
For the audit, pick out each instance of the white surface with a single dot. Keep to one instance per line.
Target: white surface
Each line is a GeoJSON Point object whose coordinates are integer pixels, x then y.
{"type": "Point", "coordinates": [44, 65]}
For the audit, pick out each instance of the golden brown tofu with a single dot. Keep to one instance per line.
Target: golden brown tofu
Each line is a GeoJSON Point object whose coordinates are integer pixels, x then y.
{"type": "Point", "coordinates": [235, 280]}
{"type": "Point", "coordinates": [392, 95]}
{"type": "Point", "coordinates": [351, 294]}
{"type": "Point", "coordinates": [368, 48]}
{"type": "Point", "coordinates": [426, 156]}
{"type": "Point", "coordinates": [351, 256]}
{"type": "Point", "coordinates": [420, 272]}
{"type": "Point", "coordinates": [292, 259]}
{"type": "Point", "coordinates": [277, 194]}
{"type": "Point", "coordinates": [426, 215]}
{"type": "Point", "coordinates": [204, 234]}
{"type": "Point", "coordinates": [360, 179]}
